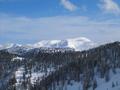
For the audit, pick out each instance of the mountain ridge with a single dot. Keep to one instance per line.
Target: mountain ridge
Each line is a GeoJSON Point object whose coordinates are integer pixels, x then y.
{"type": "Point", "coordinates": [79, 44]}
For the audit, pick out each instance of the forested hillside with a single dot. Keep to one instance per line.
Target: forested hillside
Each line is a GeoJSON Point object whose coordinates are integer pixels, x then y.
{"type": "Point", "coordinates": [93, 69]}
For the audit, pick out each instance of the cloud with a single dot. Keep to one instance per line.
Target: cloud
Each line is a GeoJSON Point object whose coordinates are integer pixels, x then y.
{"type": "Point", "coordinates": [24, 29]}
{"type": "Point", "coordinates": [68, 5]}
{"type": "Point", "coordinates": [110, 6]}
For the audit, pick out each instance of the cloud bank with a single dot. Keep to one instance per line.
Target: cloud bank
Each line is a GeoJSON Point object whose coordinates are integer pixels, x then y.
{"type": "Point", "coordinates": [23, 29]}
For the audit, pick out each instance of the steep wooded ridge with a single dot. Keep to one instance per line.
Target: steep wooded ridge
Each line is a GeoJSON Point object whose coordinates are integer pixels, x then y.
{"type": "Point", "coordinates": [71, 70]}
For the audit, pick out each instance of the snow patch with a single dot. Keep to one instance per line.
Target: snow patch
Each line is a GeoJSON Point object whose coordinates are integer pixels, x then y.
{"type": "Point", "coordinates": [17, 58]}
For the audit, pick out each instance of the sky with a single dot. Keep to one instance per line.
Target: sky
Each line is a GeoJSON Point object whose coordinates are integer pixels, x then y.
{"type": "Point", "coordinates": [30, 21]}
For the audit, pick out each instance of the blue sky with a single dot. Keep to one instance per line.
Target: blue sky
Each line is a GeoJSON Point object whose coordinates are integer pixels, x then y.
{"type": "Point", "coordinates": [45, 8]}
{"type": "Point", "coordinates": [29, 21]}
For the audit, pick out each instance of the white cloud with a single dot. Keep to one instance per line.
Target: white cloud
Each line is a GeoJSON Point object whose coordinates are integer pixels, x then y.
{"type": "Point", "coordinates": [59, 27]}
{"type": "Point", "coordinates": [110, 6]}
{"type": "Point", "coordinates": [68, 5]}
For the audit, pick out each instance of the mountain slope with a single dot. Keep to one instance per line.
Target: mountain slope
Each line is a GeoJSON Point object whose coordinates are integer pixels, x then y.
{"type": "Point", "coordinates": [17, 49]}
{"type": "Point", "coordinates": [93, 69]}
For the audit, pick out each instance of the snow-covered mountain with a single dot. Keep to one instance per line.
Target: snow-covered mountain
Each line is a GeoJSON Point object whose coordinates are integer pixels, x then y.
{"type": "Point", "coordinates": [14, 48]}
{"type": "Point", "coordinates": [94, 69]}
{"type": "Point", "coordinates": [80, 43]}
{"type": "Point", "coordinates": [9, 45]}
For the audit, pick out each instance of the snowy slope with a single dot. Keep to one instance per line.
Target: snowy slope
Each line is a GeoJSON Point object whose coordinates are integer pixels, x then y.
{"type": "Point", "coordinates": [34, 75]}
{"type": "Point", "coordinates": [101, 83]}
{"type": "Point", "coordinates": [113, 84]}
{"type": "Point", "coordinates": [16, 48]}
